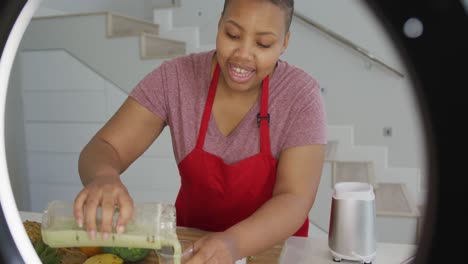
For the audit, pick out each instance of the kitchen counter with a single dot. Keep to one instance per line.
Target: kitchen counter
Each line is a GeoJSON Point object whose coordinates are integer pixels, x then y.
{"type": "Point", "coordinates": [299, 250]}
{"type": "Point", "coordinates": [315, 251]}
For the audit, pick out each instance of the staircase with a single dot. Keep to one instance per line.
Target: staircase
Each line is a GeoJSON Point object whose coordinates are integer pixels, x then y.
{"type": "Point", "coordinates": [94, 39]}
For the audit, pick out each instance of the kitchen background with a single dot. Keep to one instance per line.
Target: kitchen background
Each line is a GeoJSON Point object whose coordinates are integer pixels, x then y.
{"type": "Point", "coordinates": [79, 59]}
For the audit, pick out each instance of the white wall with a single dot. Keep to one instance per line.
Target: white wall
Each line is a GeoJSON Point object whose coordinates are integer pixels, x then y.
{"type": "Point", "coordinates": [14, 139]}
{"type": "Point", "coordinates": [61, 114]}
{"type": "Point", "coordinates": [357, 93]}
{"type": "Point", "coordinates": [372, 98]}
{"type": "Point", "coordinates": [45, 11]}
{"type": "Point", "coordinates": [354, 21]}
{"type": "Point", "coordinates": [203, 14]}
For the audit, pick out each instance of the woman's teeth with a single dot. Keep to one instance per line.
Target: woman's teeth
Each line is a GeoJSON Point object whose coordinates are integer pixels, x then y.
{"type": "Point", "coordinates": [240, 71]}
{"type": "Point", "coordinates": [241, 75]}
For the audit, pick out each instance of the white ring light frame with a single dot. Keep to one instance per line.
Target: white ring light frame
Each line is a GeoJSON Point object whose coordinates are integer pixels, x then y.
{"type": "Point", "coordinates": [7, 201]}
{"type": "Point", "coordinates": [10, 210]}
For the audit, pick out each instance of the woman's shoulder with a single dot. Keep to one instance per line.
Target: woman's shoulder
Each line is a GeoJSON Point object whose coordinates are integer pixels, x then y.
{"type": "Point", "coordinates": [293, 76]}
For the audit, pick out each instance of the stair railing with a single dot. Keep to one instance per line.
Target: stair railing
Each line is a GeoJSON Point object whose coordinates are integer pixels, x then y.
{"type": "Point", "coordinates": [347, 42]}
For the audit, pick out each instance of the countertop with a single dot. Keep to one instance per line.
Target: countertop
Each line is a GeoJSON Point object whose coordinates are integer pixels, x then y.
{"type": "Point", "coordinates": [299, 250]}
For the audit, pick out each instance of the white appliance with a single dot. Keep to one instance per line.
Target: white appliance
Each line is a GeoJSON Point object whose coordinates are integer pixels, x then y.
{"type": "Point", "coordinates": [352, 234]}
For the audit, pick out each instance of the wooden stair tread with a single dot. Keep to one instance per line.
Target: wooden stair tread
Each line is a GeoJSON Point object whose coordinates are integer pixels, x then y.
{"type": "Point", "coordinates": [393, 199]}
{"type": "Point", "coordinates": [155, 36]}
{"type": "Point", "coordinates": [353, 171]}
{"type": "Point", "coordinates": [121, 25]}
{"type": "Point", "coordinates": [155, 47]}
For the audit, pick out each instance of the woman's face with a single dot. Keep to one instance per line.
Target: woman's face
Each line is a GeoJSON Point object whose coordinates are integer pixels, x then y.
{"type": "Point", "coordinates": [251, 37]}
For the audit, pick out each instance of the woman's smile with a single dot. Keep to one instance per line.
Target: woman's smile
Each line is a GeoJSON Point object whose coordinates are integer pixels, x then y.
{"type": "Point", "coordinates": [240, 74]}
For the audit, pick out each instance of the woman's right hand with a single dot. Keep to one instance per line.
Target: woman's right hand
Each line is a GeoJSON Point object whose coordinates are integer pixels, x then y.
{"type": "Point", "coordinates": [109, 193]}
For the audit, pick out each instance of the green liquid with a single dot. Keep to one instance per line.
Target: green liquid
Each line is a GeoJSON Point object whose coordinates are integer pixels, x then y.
{"type": "Point", "coordinates": [75, 238]}
{"type": "Point", "coordinates": [65, 233]}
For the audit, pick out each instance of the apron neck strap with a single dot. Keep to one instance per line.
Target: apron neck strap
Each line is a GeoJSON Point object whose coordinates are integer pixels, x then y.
{"type": "Point", "coordinates": [263, 118]}
{"type": "Point", "coordinates": [208, 107]}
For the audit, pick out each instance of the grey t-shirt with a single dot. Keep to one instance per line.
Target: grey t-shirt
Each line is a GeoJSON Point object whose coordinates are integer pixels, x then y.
{"type": "Point", "coordinates": [177, 90]}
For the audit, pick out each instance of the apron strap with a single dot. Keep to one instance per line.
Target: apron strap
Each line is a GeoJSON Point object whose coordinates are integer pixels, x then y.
{"type": "Point", "coordinates": [208, 107]}
{"type": "Point", "coordinates": [263, 119]}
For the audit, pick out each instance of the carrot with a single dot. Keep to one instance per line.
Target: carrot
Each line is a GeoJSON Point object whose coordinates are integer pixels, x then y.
{"type": "Point", "coordinates": [90, 251]}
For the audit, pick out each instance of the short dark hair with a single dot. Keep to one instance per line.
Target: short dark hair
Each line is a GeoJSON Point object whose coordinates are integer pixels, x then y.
{"type": "Point", "coordinates": [286, 5]}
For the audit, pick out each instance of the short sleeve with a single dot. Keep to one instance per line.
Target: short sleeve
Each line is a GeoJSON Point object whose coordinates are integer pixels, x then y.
{"type": "Point", "coordinates": [308, 121]}
{"type": "Point", "coordinates": [151, 92]}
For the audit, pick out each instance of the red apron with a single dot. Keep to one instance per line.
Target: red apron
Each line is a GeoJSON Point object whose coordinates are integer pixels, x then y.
{"type": "Point", "coordinates": [214, 195]}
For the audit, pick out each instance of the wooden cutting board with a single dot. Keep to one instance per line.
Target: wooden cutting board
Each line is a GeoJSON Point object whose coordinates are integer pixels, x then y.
{"type": "Point", "coordinates": [270, 256]}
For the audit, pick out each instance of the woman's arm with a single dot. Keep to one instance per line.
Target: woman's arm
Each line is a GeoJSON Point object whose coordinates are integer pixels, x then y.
{"type": "Point", "coordinates": [108, 154]}
{"type": "Point", "coordinates": [298, 177]}
{"type": "Point", "coordinates": [120, 142]}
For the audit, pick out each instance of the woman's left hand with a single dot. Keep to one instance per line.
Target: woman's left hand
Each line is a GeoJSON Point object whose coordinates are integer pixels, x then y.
{"type": "Point", "coordinates": [216, 248]}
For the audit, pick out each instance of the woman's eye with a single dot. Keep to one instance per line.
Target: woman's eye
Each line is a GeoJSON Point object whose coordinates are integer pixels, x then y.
{"type": "Point", "coordinates": [263, 45]}
{"type": "Point", "coordinates": [232, 36]}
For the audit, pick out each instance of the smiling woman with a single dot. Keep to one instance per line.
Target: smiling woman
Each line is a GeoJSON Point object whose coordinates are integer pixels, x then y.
{"type": "Point", "coordinates": [436, 18]}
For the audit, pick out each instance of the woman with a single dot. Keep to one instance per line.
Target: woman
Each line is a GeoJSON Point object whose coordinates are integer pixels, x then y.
{"type": "Point", "coordinates": [248, 131]}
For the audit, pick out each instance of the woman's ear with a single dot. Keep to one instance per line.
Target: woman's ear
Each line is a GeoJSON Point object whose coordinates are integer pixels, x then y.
{"type": "Point", "coordinates": [285, 42]}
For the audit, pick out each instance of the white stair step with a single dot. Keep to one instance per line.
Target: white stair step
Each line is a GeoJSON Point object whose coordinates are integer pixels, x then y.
{"type": "Point", "coordinates": [353, 171]}
{"type": "Point", "coordinates": [397, 229]}
{"type": "Point", "coordinates": [341, 148]}
{"type": "Point", "coordinates": [398, 216]}
{"type": "Point", "coordinates": [342, 134]}
{"type": "Point", "coordinates": [393, 199]}
{"type": "Point", "coordinates": [121, 25]}
{"type": "Point", "coordinates": [163, 18]}
{"type": "Point", "coordinates": [189, 35]}
{"type": "Point", "coordinates": [155, 47]}
{"type": "Point", "coordinates": [53, 33]}
{"type": "Point", "coordinates": [411, 177]}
